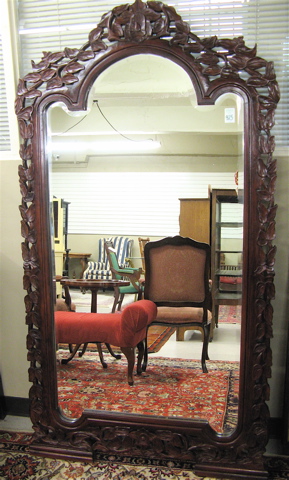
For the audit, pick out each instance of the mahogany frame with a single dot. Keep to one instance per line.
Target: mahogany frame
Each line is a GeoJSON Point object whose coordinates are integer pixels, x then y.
{"type": "Point", "coordinates": [215, 66]}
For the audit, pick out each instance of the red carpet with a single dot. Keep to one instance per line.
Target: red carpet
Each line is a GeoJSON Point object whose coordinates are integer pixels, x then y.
{"type": "Point", "coordinates": [230, 314]}
{"type": "Point", "coordinates": [169, 387]}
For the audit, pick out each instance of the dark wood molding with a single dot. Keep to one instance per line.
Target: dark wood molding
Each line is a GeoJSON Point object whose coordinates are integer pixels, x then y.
{"type": "Point", "coordinates": [215, 66]}
{"type": "Point", "coordinates": [19, 406]}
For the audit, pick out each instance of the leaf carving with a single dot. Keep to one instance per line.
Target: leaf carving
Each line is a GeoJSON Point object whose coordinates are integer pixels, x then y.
{"type": "Point", "coordinates": [24, 229]}
{"type": "Point", "coordinates": [271, 255]}
{"type": "Point", "coordinates": [47, 74]}
{"type": "Point", "coordinates": [26, 113]}
{"type": "Point", "coordinates": [256, 63]}
{"type": "Point", "coordinates": [69, 79]}
{"type": "Point", "coordinates": [87, 55]}
{"type": "Point", "coordinates": [73, 67]}
{"type": "Point", "coordinates": [263, 213]}
{"type": "Point", "coordinates": [55, 82]}
{"type": "Point", "coordinates": [32, 77]}
{"type": "Point", "coordinates": [272, 213]}
{"type": "Point", "coordinates": [71, 52]}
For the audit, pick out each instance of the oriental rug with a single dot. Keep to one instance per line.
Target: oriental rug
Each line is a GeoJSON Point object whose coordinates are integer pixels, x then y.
{"type": "Point", "coordinates": [16, 463]}
{"type": "Point", "coordinates": [169, 387]}
{"type": "Point", "coordinates": [229, 314]}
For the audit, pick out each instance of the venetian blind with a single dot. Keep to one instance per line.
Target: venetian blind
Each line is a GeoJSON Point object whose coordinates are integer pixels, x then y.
{"type": "Point", "coordinates": [52, 25]}
{"type": "Point", "coordinates": [94, 209]}
{"type": "Point", "coordinates": [4, 121]}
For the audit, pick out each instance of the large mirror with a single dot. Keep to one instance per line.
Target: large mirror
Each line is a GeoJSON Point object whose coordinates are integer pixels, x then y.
{"type": "Point", "coordinates": [198, 106]}
{"type": "Point", "coordinates": [198, 151]}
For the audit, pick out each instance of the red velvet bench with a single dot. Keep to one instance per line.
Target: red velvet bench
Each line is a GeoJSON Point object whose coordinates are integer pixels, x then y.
{"type": "Point", "coordinates": [126, 329]}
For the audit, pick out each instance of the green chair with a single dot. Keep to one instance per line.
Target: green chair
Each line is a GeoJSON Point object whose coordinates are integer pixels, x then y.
{"type": "Point", "coordinates": [128, 273]}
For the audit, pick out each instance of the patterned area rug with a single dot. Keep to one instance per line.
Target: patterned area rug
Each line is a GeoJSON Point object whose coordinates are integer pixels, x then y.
{"type": "Point", "coordinates": [16, 463]}
{"type": "Point", "coordinates": [230, 314]}
{"type": "Point", "coordinates": [84, 384]}
{"type": "Point", "coordinates": [158, 336]}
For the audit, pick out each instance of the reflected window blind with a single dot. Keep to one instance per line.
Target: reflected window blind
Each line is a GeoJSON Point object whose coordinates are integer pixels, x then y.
{"type": "Point", "coordinates": [4, 122]}
{"type": "Point", "coordinates": [52, 25]}
{"type": "Point", "coordinates": [94, 209]}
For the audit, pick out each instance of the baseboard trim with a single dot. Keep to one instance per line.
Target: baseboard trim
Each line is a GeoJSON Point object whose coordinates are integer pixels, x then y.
{"type": "Point", "coordinates": [16, 406]}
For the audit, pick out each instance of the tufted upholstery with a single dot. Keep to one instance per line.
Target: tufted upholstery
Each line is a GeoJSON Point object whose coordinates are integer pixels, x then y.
{"type": "Point", "coordinates": [127, 329]}
{"type": "Point", "coordinates": [101, 269]}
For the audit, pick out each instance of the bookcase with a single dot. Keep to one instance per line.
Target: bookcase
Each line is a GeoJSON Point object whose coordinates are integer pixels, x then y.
{"type": "Point", "coordinates": [226, 249]}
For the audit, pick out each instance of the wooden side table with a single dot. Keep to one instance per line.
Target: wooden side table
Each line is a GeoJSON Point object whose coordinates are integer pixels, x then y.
{"type": "Point", "coordinates": [92, 285]}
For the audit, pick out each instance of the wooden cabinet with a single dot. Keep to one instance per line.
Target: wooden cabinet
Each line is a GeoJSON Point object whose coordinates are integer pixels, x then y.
{"type": "Point", "coordinates": [195, 218]}
{"type": "Point", "coordinates": [226, 249]}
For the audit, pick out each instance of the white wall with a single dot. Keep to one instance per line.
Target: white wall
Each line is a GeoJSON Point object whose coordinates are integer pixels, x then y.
{"type": "Point", "coordinates": [13, 354]}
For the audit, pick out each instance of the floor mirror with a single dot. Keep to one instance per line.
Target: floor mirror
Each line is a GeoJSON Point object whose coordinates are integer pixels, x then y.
{"type": "Point", "coordinates": [166, 85]}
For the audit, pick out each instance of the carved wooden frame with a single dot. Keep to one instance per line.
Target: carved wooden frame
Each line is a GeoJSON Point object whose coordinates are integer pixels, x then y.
{"type": "Point", "coordinates": [215, 66]}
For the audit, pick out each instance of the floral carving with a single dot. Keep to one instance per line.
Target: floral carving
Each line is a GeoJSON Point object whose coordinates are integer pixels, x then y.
{"type": "Point", "coordinates": [214, 61]}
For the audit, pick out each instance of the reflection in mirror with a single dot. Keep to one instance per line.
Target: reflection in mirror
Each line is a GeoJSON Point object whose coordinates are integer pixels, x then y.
{"type": "Point", "coordinates": [115, 187]}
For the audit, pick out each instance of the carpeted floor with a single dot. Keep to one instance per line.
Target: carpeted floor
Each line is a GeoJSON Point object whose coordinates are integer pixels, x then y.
{"type": "Point", "coordinates": [16, 463]}
{"type": "Point", "coordinates": [229, 314]}
{"type": "Point", "coordinates": [83, 383]}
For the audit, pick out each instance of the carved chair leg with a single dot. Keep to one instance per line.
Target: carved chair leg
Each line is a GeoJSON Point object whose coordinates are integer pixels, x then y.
{"type": "Point", "coordinates": [141, 350]}
{"type": "Point", "coordinates": [118, 299]}
{"type": "Point", "coordinates": [83, 350]}
{"type": "Point", "coordinates": [64, 361]}
{"type": "Point", "coordinates": [129, 352]}
{"type": "Point", "coordinates": [115, 302]}
{"type": "Point", "coordinates": [145, 358]}
{"type": "Point", "coordinates": [121, 297]}
{"type": "Point", "coordinates": [205, 355]}
{"type": "Point", "coordinates": [115, 355]}
{"type": "Point", "coordinates": [99, 348]}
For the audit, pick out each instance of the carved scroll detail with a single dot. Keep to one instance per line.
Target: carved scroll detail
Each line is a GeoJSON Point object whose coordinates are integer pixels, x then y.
{"type": "Point", "coordinates": [217, 61]}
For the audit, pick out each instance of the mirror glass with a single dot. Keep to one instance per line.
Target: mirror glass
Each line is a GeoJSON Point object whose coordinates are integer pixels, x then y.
{"type": "Point", "coordinates": [124, 166]}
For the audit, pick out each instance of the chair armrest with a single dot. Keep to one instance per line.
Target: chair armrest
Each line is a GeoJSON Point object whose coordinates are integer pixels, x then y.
{"type": "Point", "coordinates": [133, 274]}
{"type": "Point", "coordinates": [128, 270]}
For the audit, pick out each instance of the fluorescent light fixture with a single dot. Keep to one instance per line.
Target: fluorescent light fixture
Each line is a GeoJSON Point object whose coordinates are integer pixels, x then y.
{"type": "Point", "coordinates": [122, 146]}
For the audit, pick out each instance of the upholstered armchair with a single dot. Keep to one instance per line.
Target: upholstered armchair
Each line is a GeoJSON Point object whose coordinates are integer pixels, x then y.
{"type": "Point", "coordinates": [101, 268]}
{"type": "Point", "coordinates": [177, 281]}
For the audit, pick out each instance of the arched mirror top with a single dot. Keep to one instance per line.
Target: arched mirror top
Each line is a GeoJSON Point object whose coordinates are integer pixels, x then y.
{"type": "Point", "coordinates": [155, 28]}
{"type": "Point", "coordinates": [213, 69]}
